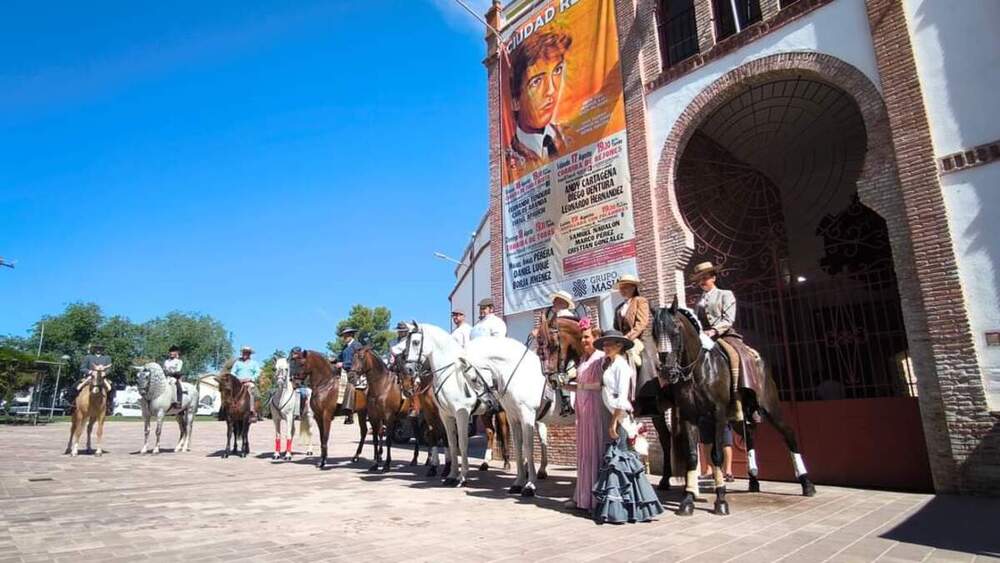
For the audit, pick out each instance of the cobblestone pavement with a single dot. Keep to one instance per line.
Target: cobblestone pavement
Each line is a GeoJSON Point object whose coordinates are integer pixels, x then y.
{"type": "Point", "coordinates": [198, 507]}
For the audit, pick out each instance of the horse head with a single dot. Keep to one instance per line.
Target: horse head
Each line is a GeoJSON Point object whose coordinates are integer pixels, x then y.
{"type": "Point", "coordinates": [149, 377]}
{"type": "Point", "coordinates": [281, 372]}
{"type": "Point", "coordinates": [676, 331]}
{"type": "Point", "coordinates": [310, 367]}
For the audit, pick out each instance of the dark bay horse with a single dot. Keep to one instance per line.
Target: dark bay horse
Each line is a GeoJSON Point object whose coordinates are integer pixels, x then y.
{"type": "Point", "coordinates": [313, 368]}
{"type": "Point", "coordinates": [235, 409]}
{"type": "Point", "coordinates": [562, 345]}
{"type": "Point", "coordinates": [385, 403]}
{"type": "Point", "coordinates": [360, 409]}
{"type": "Point", "coordinates": [429, 426]}
{"type": "Point", "coordinates": [700, 384]}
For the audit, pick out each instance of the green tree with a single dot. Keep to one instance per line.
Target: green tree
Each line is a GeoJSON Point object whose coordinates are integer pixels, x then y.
{"type": "Point", "coordinates": [202, 339]}
{"type": "Point", "coordinates": [372, 325]}
{"type": "Point", "coordinates": [70, 333]}
{"type": "Point", "coordinates": [266, 379]}
{"type": "Point", "coordinates": [124, 341]}
{"type": "Point", "coordinates": [17, 372]}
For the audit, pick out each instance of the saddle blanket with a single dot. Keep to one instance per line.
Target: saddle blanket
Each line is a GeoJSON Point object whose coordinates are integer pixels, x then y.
{"type": "Point", "coordinates": [751, 373]}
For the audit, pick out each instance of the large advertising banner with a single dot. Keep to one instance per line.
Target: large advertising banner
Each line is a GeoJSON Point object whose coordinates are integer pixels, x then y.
{"type": "Point", "coordinates": [567, 202]}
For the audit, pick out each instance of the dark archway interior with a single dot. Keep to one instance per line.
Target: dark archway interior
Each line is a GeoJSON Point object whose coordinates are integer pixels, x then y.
{"type": "Point", "coordinates": [767, 184]}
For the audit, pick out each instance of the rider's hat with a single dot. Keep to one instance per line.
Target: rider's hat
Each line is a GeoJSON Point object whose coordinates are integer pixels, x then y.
{"type": "Point", "coordinates": [486, 303]}
{"type": "Point", "coordinates": [703, 270]}
{"type": "Point", "coordinates": [627, 278]}
{"type": "Point", "coordinates": [94, 346]}
{"type": "Point", "coordinates": [246, 348]}
{"type": "Point", "coordinates": [347, 330]}
{"type": "Point", "coordinates": [457, 312]}
{"type": "Point", "coordinates": [174, 348]}
{"type": "Point", "coordinates": [401, 326]}
{"type": "Point", "coordinates": [564, 297]}
{"type": "Point", "coordinates": [613, 336]}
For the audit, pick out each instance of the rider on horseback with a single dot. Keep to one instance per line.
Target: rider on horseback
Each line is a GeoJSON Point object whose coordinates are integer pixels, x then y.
{"type": "Point", "coordinates": [247, 370]}
{"type": "Point", "coordinates": [562, 307]}
{"type": "Point", "coordinates": [172, 367]}
{"type": "Point", "coordinates": [88, 367]}
{"type": "Point", "coordinates": [716, 310]}
{"type": "Point", "coordinates": [345, 360]}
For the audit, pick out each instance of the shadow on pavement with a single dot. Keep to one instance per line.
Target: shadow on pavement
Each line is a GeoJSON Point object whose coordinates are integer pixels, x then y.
{"type": "Point", "coordinates": [966, 524]}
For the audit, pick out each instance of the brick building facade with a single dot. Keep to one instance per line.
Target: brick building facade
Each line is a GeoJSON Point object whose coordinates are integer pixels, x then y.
{"type": "Point", "coordinates": [823, 117]}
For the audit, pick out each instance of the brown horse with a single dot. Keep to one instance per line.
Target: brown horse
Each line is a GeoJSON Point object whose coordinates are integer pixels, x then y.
{"type": "Point", "coordinates": [385, 403]}
{"type": "Point", "coordinates": [313, 368]}
{"type": "Point", "coordinates": [90, 406]}
{"type": "Point", "coordinates": [235, 409]}
{"type": "Point", "coordinates": [562, 344]}
{"type": "Point", "coordinates": [429, 427]}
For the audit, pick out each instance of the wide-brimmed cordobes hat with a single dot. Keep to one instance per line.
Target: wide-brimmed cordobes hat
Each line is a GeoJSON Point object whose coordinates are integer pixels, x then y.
{"type": "Point", "coordinates": [565, 297]}
{"type": "Point", "coordinates": [703, 270]}
{"type": "Point", "coordinates": [613, 336]}
{"type": "Point", "coordinates": [246, 348]}
{"type": "Point", "coordinates": [628, 278]}
{"type": "Point", "coordinates": [347, 330]}
{"type": "Point", "coordinates": [174, 348]}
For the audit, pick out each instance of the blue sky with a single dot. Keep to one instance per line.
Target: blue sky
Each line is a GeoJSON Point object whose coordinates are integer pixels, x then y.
{"type": "Point", "coordinates": [267, 163]}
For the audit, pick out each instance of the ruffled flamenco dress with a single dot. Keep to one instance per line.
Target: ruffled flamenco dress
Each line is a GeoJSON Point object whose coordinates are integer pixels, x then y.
{"type": "Point", "coordinates": [622, 492]}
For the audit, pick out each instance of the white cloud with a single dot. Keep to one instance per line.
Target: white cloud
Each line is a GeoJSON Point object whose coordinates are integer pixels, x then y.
{"type": "Point", "coordinates": [459, 18]}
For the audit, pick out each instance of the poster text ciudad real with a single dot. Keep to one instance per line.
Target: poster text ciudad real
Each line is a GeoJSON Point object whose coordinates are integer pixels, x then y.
{"type": "Point", "coordinates": [567, 203]}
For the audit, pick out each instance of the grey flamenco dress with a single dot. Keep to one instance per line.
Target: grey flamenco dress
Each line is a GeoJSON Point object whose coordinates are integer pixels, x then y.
{"type": "Point", "coordinates": [622, 492]}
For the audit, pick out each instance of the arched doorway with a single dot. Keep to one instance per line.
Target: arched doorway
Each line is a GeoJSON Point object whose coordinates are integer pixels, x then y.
{"type": "Point", "coordinates": [767, 186]}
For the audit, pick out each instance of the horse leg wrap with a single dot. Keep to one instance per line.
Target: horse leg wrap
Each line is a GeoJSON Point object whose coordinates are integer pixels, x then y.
{"type": "Point", "coordinates": [691, 482]}
{"type": "Point", "coordinates": [277, 444]}
{"type": "Point", "coordinates": [720, 479]}
{"type": "Point", "coordinates": [752, 462]}
{"type": "Point", "coordinates": [288, 445]}
{"type": "Point", "coordinates": [800, 465]}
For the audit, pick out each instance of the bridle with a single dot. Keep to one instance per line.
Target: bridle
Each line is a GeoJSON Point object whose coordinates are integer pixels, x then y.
{"type": "Point", "coordinates": [678, 372]}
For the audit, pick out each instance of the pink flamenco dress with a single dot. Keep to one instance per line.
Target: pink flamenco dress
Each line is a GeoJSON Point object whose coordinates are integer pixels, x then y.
{"type": "Point", "coordinates": [592, 421]}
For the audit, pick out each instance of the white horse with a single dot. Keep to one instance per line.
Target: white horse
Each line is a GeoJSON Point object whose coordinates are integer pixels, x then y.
{"type": "Point", "coordinates": [513, 373]}
{"type": "Point", "coordinates": [156, 398]}
{"type": "Point", "coordinates": [284, 406]}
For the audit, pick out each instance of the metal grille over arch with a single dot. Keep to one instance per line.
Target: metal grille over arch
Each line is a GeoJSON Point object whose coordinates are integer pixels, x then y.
{"type": "Point", "coordinates": [767, 185]}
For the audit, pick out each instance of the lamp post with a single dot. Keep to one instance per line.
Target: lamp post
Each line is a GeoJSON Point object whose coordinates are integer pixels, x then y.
{"type": "Point", "coordinates": [55, 391]}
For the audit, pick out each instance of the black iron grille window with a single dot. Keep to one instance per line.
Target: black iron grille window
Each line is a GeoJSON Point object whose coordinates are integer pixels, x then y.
{"type": "Point", "coordinates": [733, 16]}
{"type": "Point", "coordinates": [678, 30]}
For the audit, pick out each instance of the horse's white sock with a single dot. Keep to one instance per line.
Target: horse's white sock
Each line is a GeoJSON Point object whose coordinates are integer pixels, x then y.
{"type": "Point", "coordinates": [752, 462]}
{"type": "Point", "coordinates": [800, 466]}
{"type": "Point", "coordinates": [720, 479]}
{"type": "Point", "coordinates": [691, 482]}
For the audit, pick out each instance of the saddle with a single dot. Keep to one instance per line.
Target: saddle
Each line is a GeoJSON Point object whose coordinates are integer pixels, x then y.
{"type": "Point", "coordinates": [751, 372]}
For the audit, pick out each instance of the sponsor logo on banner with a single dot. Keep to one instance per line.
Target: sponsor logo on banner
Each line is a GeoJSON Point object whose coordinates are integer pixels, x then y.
{"type": "Point", "coordinates": [567, 200]}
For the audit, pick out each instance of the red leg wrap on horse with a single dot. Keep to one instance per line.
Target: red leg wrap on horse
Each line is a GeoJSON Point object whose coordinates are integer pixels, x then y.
{"type": "Point", "coordinates": [277, 444]}
{"type": "Point", "coordinates": [288, 445]}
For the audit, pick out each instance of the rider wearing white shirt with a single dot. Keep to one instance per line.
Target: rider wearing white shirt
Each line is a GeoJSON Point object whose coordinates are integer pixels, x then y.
{"type": "Point", "coordinates": [489, 324]}
{"type": "Point", "coordinates": [173, 367]}
{"type": "Point", "coordinates": [462, 328]}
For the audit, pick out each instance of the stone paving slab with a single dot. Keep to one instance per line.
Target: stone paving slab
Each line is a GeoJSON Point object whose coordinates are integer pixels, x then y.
{"type": "Point", "coordinates": [199, 507]}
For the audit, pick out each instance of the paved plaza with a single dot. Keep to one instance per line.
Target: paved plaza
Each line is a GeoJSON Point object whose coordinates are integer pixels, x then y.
{"type": "Point", "coordinates": [199, 507]}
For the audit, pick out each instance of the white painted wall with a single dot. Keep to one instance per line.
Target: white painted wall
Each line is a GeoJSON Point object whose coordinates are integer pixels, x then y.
{"type": "Point", "coordinates": [462, 298]}
{"type": "Point", "coordinates": [957, 51]}
{"type": "Point", "coordinates": [839, 29]}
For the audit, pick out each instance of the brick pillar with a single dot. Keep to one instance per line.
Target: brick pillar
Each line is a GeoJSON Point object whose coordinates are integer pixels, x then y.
{"type": "Point", "coordinates": [492, 63]}
{"type": "Point", "coordinates": [637, 34]}
{"type": "Point", "coordinates": [705, 22]}
{"type": "Point", "coordinates": [962, 436]}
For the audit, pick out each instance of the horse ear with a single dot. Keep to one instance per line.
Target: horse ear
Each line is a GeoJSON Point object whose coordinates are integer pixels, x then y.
{"type": "Point", "coordinates": [305, 354]}
{"type": "Point", "coordinates": [673, 305]}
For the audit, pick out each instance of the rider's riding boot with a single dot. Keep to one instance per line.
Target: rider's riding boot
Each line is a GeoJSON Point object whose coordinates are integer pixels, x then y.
{"type": "Point", "coordinates": [349, 419]}
{"type": "Point", "coordinates": [566, 407]}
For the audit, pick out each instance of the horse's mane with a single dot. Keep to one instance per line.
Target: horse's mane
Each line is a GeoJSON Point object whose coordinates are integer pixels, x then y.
{"type": "Point", "coordinates": [691, 318]}
{"type": "Point", "coordinates": [379, 364]}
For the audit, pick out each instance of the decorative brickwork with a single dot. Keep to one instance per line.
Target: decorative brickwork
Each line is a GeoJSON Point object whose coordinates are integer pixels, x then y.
{"type": "Point", "coordinates": [970, 158]}
{"type": "Point", "coordinates": [963, 437]}
{"type": "Point", "coordinates": [493, 17]}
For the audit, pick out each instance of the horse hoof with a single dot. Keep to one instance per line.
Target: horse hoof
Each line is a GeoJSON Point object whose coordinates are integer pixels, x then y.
{"type": "Point", "coordinates": [754, 486]}
{"type": "Point", "coordinates": [276, 456]}
{"type": "Point", "coordinates": [484, 466]}
{"type": "Point", "coordinates": [450, 482]}
{"type": "Point", "coordinates": [506, 466]}
{"type": "Point", "coordinates": [460, 483]}
{"type": "Point", "coordinates": [431, 472]}
{"type": "Point", "coordinates": [288, 457]}
{"type": "Point", "coordinates": [686, 507]}
{"type": "Point", "coordinates": [542, 475]}
{"type": "Point", "coordinates": [515, 490]}
{"type": "Point", "coordinates": [374, 468]}
{"type": "Point", "coordinates": [385, 468]}
{"type": "Point", "coordinates": [156, 451]}
{"type": "Point", "coordinates": [98, 453]}
{"type": "Point", "coordinates": [808, 489]}
{"type": "Point", "coordinates": [73, 453]}
{"type": "Point", "coordinates": [664, 484]}
{"type": "Point", "coordinates": [413, 463]}
{"type": "Point", "coordinates": [721, 508]}
{"type": "Point", "coordinates": [528, 492]}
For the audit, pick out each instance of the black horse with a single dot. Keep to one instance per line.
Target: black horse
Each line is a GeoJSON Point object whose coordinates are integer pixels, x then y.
{"type": "Point", "coordinates": [699, 381]}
